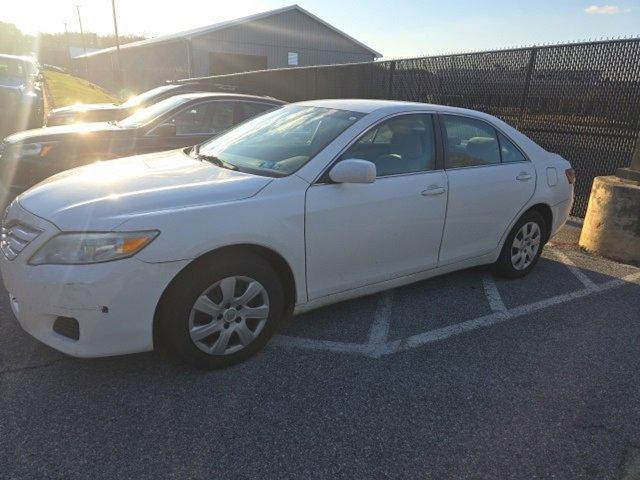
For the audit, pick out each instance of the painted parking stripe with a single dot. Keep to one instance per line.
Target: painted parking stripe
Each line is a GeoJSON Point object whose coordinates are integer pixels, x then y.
{"type": "Point", "coordinates": [499, 317]}
{"type": "Point", "coordinates": [382, 318]}
{"type": "Point", "coordinates": [432, 336]}
{"type": "Point", "coordinates": [573, 268]}
{"type": "Point", "coordinates": [493, 294]}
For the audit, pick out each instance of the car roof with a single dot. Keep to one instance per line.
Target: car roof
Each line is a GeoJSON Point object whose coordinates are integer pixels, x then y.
{"type": "Point", "coordinates": [372, 105]}
{"type": "Point", "coordinates": [390, 107]}
{"type": "Point", "coordinates": [229, 96]}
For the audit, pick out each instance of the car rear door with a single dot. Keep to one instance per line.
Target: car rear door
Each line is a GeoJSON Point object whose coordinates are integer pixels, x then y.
{"type": "Point", "coordinates": [490, 181]}
{"type": "Point", "coordinates": [361, 234]}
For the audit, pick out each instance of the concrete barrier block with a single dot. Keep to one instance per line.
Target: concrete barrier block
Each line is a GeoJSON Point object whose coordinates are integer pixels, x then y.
{"type": "Point", "coordinates": [612, 223]}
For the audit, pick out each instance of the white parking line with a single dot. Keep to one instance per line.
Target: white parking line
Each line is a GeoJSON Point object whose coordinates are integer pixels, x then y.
{"type": "Point", "coordinates": [443, 333]}
{"type": "Point", "coordinates": [492, 293]}
{"type": "Point", "coordinates": [579, 274]}
{"type": "Point", "coordinates": [382, 318]}
{"type": "Point", "coordinates": [500, 314]}
{"type": "Point", "coordinates": [499, 317]}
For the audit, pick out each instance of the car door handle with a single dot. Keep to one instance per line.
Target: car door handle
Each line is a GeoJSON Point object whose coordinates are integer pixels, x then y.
{"type": "Point", "coordinates": [524, 177]}
{"type": "Point", "coordinates": [433, 190]}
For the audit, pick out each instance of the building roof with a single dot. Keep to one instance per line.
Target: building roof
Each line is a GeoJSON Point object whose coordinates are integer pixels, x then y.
{"type": "Point", "coordinates": [188, 34]}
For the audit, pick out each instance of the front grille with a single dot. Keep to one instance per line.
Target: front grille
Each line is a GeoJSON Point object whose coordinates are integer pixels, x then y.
{"type": "Point", "coordinates": [3, 147]}
{"type": "Point", "coordinates": [15, 237]}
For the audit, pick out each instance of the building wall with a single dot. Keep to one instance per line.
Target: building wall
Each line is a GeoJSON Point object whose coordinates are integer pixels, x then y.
{"type": "Point", "coordinates": [144, 67]}
{"type": "Point", "coordinates": [276, 36]}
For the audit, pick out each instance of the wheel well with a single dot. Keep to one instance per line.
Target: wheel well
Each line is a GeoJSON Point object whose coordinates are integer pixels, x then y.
{"type": "Point", "coordinates": [277, 262]}
{"type": "Point", "coordinates": [544, 210]}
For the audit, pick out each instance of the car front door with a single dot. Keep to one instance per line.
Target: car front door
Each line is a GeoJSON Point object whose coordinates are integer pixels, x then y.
{"type": "Point", "coordinates": [191, 125]}
{"type": "Point", "coordinates": [361, 234]}
{"type": "Point", "coordinates": [490, 181]}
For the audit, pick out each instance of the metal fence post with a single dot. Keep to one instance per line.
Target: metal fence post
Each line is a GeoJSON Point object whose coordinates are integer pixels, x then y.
{"type": "Point", "coordinates": [527, 85]}
{"type": "Point", "coordinates": [315, 82]}
{"type": "Point", "coordinates": [392, 69]}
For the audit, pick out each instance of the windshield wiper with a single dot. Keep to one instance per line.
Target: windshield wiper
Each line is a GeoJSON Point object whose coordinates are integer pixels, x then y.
{"type": "Point", "coordinates": [213, 159]}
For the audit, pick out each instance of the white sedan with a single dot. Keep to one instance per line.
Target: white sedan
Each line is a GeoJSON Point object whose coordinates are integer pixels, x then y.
{"type": "Point", "coordinates": [202, 251]}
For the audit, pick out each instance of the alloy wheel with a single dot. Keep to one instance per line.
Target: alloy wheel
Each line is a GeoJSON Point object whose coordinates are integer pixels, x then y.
{"type": "Point", "coordinates": [229, 315]}
{"type": "Point", "coordinates": [525, 245]}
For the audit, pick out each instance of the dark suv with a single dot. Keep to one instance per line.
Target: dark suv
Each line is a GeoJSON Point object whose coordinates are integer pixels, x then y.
{"type": "Point", "coordinates": [28, 157]}
{"type": "Point", "coordinates": [21, 104]}
{"type": "Point", "coordinates": [104, 112]}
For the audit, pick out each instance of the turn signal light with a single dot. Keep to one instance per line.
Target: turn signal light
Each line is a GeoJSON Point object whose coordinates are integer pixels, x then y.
{"type": "Point", "coordinates": [133, 244]}
{"type": "Point", "coordinates": [571, 175]}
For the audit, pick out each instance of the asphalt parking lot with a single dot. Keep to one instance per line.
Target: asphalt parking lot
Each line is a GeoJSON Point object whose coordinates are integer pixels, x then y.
{"type": "Point", "coordinates": [462, 376]}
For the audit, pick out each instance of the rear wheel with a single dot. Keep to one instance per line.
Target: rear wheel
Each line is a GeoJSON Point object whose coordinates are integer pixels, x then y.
{"type": "Point", "coordinates": [221, 312]}
{"type": "Point", "coordinates": [523, 246]}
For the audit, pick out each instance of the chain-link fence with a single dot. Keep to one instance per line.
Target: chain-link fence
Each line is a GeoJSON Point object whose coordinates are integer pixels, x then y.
{"type": "Point", "coordinates": [579, 100]}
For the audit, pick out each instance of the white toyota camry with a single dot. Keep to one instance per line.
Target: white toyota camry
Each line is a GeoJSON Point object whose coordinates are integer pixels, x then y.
{"type": "Point", "coordinates": [201, 252]}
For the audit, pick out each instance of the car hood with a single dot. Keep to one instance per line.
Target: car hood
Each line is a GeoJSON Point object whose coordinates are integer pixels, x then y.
{"type": "Point", "coordinates": [84, 107]}
{"type": "Point", "coordinates": [62, 132]}
{"type": "Point", "coordinates": [103, 195]}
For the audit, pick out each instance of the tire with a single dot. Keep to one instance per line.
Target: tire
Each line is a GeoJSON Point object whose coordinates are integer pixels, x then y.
{"type": "Point", "coordinates": [528, 237]}
{"type": "Point", "coordinates": [204, 319]}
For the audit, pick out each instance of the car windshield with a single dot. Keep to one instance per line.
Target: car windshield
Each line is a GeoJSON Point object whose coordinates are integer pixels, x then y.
{"type": "Point", "coordinates": [12, 72]}
{"type": "Point", "coordinates": [146, 96]}
{"type": "Point", "coordinates": [279, 142]}
{"type": "Point", "coordinates": [146, 115]}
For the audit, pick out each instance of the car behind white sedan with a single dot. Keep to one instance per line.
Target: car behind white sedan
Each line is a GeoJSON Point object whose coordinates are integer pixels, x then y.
{"type": "Point", "coordinates": [202, 251]}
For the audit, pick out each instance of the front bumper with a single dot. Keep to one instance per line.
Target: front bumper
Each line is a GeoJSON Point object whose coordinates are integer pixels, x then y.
{"type": "Point", "coordinates": [114, 302]}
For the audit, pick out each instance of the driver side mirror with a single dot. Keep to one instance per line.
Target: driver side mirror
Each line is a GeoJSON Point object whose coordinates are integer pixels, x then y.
{"type": "Point", "coordinates": [165, 130]}
{"type": "Point", "coordinates": [353, 171]}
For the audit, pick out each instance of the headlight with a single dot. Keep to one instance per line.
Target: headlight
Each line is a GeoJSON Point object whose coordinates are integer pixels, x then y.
{"type": "Point", "coordinates": [33, 150]}
{"type": "Point", "coordinates": [85, 248]}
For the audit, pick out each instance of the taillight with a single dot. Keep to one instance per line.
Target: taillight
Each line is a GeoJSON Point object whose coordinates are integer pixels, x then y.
{"type": "Point", "coordinates": [571, 175]}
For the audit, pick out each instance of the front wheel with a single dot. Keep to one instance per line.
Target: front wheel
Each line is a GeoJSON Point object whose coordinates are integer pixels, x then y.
{"type": "Point", "coordinates": [523, 247]}
{"type": "Point", "coordinates": [222, 311]}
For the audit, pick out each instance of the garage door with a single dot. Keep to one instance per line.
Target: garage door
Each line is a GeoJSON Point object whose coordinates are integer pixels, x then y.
{"type": "Point", "coordinates": [223, 63]}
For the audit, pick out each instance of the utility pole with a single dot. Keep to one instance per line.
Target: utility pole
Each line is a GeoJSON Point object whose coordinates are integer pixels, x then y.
{"type": "Point", "coordinates": [66, 40]}
{"type": "Point", "coordinates": [118, 71]}
{"type": "Point", "coordinates": [84, 43]}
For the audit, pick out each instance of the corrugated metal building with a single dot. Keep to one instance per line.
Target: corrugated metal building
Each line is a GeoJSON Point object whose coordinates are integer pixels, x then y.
{"type": "Point", "coordinates": [289, 36]}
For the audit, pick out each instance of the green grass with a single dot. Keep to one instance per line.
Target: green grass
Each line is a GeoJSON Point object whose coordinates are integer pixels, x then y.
{"type": "Point", "coordinates": [64, 89]}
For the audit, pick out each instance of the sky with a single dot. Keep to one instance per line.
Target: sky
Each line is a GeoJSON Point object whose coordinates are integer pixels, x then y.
{"type": "Point", "coordinates": [396, 28]}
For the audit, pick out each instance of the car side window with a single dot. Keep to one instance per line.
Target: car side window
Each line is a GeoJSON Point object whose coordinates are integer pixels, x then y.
{"type": "Point", "coordinates": [222, 116]}
{"type": "Point", "coordinates": [403, 144]}
{"type": "Point", "coordinates": [206, 118]}
{"type": "Point", "coordinates": [470, 142]}
{"type": "Point", "coordinates": [251, 109]}
{"type": "Point", "coordinates": [510, 153]}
